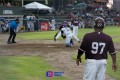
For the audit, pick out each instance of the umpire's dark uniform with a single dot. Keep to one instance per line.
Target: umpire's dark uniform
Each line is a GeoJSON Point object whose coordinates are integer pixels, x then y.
{"type": "Point", "coordinates": [13, 25]}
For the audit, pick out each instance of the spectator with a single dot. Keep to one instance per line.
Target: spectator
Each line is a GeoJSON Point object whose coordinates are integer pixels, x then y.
{"type": "Point", "coordinates": [8, 4]}
{"type": "Point", "coordinates": [118, 19]}
{"type": "Point", "coordinates": [4, 26]}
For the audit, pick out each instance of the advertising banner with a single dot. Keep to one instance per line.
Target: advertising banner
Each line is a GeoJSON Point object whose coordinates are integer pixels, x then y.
{"type": "Point", "coordinates": [44, 25]}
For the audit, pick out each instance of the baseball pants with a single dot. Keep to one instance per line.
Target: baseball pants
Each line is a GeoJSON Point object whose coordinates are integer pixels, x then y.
{"type": "Point", "coordinates": [75, 30]}
{"type": "Point", "coordinates": [95, 69]}
{"type": "Point", "coordinates": [12, 36]}
{"type": "Point", "coordinates": [69, 37]}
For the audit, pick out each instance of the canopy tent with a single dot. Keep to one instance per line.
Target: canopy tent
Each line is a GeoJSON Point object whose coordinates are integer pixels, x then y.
{"type": "Point", "coordinates": [36, 5]}
{"type": "Point", "coordinates": [69, 5]}
{"type": "Point", "coordinates": [80, 6]}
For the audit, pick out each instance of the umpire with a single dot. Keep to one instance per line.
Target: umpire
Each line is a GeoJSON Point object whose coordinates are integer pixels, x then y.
{"type": "Point", "coordinates": [12, 26]}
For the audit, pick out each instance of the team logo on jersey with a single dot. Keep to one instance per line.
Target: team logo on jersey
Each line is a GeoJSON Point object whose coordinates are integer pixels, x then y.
{"type": "Point", "coordinates": [99, 24]}
{"type": "Point", "coordinates": [75, 21]}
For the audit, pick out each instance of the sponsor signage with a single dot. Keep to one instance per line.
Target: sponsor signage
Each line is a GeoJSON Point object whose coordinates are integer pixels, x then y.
{"type": "Point", "coordinates": [44, 25]}
{"type": "Point", "coordinates": [52, 74]}
{"type": "Point", "coordinates": [7, 11]}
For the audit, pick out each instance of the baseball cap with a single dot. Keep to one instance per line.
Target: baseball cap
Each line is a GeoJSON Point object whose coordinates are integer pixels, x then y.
{"type": "Point", "coordinates": [99, 22]}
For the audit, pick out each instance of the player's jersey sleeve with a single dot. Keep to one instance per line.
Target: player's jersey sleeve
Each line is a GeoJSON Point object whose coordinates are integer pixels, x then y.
{"type": "Point", "coordinates": [58, 35]}
{"type": "Point", "coordinates": [111, 47]}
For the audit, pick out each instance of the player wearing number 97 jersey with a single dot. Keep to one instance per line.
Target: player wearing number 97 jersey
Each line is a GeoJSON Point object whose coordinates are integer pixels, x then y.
{"type": "Point", "coordinates": [95, 45]}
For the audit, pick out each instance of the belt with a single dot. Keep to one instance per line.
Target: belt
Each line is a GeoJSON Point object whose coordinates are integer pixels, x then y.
{"type": "Point", "coordinates": [96, 59]}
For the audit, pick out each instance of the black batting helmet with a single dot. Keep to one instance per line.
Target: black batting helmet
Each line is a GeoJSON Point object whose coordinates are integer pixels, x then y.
{"type": "Point", "coordinates": [99, 22]}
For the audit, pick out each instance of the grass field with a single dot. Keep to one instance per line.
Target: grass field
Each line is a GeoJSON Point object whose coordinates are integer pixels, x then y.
{"type": "Point", "coordinates": [112, 31]}
{"type": "Point", "coordinates": [25, 68]}
{"type": "Point", "coordinates": [35, 67]}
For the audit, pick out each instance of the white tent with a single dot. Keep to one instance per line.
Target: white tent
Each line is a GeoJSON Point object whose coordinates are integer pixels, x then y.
{"type": "Point", "coordinates": [36, 5]}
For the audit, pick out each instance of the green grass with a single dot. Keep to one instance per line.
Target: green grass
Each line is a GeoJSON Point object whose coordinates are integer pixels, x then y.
{"type": "Point", "coordinates": [109, 71]}
{"type": "Point", "coordinates": [49, 35]}
{"type": "Point", "coordinates": [109, 68]}
{"type": "Point", "coordinates": [35, 67]}
{"type": "Point", "coordinates": [37, 35]}
{"type": "Point", "coordinates": [25, 68]}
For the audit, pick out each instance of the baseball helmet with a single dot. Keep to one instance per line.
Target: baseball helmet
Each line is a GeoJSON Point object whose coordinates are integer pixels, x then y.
{"type": "Point", "coordinates": [65, 23]}
{"type": "Point", "coordinates": [99, 22]}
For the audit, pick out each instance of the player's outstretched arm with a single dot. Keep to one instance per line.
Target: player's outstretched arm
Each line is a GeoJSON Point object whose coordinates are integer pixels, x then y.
{"type": "Point", "coordinates": [57, 35]}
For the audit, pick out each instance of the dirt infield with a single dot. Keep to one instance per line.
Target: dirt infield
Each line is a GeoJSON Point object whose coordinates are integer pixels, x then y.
{"type": "Point", "coordinates": [55, 53]}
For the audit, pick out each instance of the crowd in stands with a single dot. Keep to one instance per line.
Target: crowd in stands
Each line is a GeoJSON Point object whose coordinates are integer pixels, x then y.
{"type": "Point", "coordinates": [86, 17]}
{"type": "Point", "coordinates": [6, 3]}
{"type": "Point", "coordinates": [33, 23]}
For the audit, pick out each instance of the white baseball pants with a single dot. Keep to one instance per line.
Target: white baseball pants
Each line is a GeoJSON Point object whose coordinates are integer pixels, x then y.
{"type": "Point", "coordinates": [95, 69]}
{"type": "Point", "coordinates": [69, 37]}
{"type": "Point", "coordinates": [75, 30]}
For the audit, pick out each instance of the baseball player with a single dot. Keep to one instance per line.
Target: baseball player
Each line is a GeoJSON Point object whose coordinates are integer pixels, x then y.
{"type": "Point", "coordinates": [58, 34]}
{"type": "Point", "coordinates": [95, 45]}
{"type": "Point", "coordinates": [75, 24]}
{"type": "Point", "coordinates": [66, 31]}
{"type": "Point", "coordinates": [30, 23]}
{"type": "Point", "coordinates": [53, 22]}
